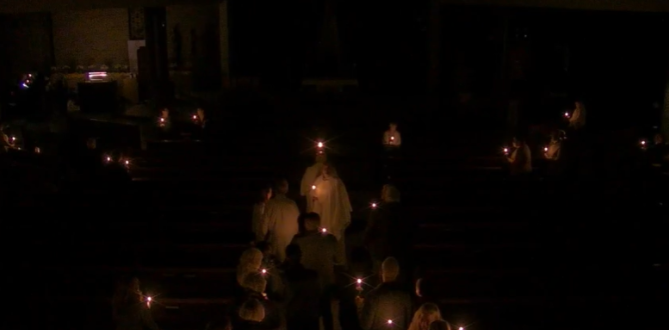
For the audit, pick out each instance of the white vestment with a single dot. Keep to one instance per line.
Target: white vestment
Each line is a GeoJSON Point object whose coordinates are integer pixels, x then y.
{"type": "Point", "coordinates": [280, 220]}
{"type": "Point", "coordinates": [308, 179]}
{"type": "Point", "coordinates": [332, 205]}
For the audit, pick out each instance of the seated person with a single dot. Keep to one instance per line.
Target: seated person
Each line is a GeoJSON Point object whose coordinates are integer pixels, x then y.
{"type": "Point", "coordinates": [392, 137]}
{"type": "Point", "coordinates": [520, 160]}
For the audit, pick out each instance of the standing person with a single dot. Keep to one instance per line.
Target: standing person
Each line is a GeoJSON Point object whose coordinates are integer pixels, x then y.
{"type": "Point", "coordinates": [319, 253]}
{"type": "Point", "coordinates": [259, 213]}
{"type": "Point", "coordinates": [392, 137]}
{"type": "Point", "coordinates": [577, 118]}
{"type": "Point", "coordinates": [331, 202]}
{"type": "Point", "coordinates": [388, 304]}
{"type": "Point", "coordinates": [280, 220]}
{"type": "Point", "coordinates": [310, 175]}
{"type": "Point", "coordinates": [303, 292]}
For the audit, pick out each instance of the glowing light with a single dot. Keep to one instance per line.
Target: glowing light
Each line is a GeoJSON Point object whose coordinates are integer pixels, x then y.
{"type": "Point", "coordinates": [108, 159]}
{"type": "Point", "coordinates": [313, 187]}
{"type": "Point", "coordinates": [97, 76]}
{"type": "Point", "coordinates": [359, 281]}
{"type": "Point", "coordinates": [545, 149]}
{"type": "Point", "coordinates": [320, 144]}
{"type": "Point", "coordinates": [148, 299]}
{"type": "Point", "coordinates": [324, 230]}
{"type": "Point", "coordinates": [264, 271]}
{"type": "Point", "coordinates": [38, 150]}
{"type": "Point", "coordinates": [162, 120]}
{"type": "Point", "coordinates": [13, 138]}
{"type": "Point", "coordinates": [461, 328]}
{"type": "Point", "coordinates": [566, 114]}
{"type": "Point", "coordinates": [194, 117]}
{"type": "Point", "coordinates": [127, 162]}
{"type": "Point", "coordinates": [390, 322]}
{"type": "Point", "coordinates": [392, 138]}
{"type": "Point", "coordinates": [374, 205]}
{"type": "Point", "coordinates": [506, 150]}
{"type": "Point", "coordinates": [643, 142]}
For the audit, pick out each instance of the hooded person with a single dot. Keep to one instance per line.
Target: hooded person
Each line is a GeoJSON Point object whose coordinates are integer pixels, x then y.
{"type": "Point", "coordinates": [280, 220]}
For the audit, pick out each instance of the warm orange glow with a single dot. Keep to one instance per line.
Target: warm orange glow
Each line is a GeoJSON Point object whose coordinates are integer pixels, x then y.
{"type": "Point", "coordinates": [313, 187]}
{"type": "Point", "coordinates": [320, 144]}
{"type": "Point", "coordinates": [324, 230]}
{"type": "Point", "coordinates": [390, 322]}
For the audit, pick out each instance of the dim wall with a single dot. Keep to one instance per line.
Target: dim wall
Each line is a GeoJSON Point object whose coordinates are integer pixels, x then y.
{"type": "Point", "coordinates": [91, 37]}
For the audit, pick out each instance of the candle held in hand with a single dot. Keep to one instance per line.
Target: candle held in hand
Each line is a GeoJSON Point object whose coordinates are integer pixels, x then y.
{"type": "Point", "coordinates": [566, 115]}
{"type": "Point", "coordinates": [162, 120]}
{"type": "Point", "coordinates": [390, 322]}
{"type": "Point", "coordinates": [545, 149]}
{"type": "Point", "coordinates": [194, 117]}
{"type": "Point", "coordinates": [374, 205]}
{"type": "Point", "coordinates": [324, 230]}
{"type": "Point", "coordinates": [359, 281]}
{"type": "Point", "coordinates": [148, 302]}
{"type": "Point", "coordinates": [320, 145]}
{"type": "Point", "coordinates": [264, 271]}
{"type": "Point", "coordinates": [313, 187]}
{"type": "Point", "coordinates": [505, 150]}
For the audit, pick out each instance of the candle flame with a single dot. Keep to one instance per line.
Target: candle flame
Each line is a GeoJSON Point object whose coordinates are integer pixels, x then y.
{"type": "Point", "coordinates": [566, 114]}
{"type": "Point", "coordinates": [545, 148]}
{"type": "Point", "coordinates": [108, 159]}
{"type": "Point", "coordinates": [373, 205]}
{"type": "Point", "coordinates": [162, 120]}
{"type": "Point", "coordinates": [359, 281]}
{"type": "Point", "coordinates": [313, 187]}
{"type": "Point", "coordinates": [320, 144]}
{"type": "Point", "coordinates": [643, 142]}
{"type": "Point", "coordinates": [13, 138]}
{"type": "Point", "coordinates": [461, 328]}
{"type": "Point", "coordinates": [324, 230]}
{"type": "Point", "coordinates": [194, 116]}
{"type": "Point", "coordinates": [506, 150]}
{"type": "Point", "coordinates": [148, 299]}
{"type": "Point", "coordinates": [127, 162]}
{"type": "Point", "coordinates": [390, 321]}
{"type": "Point", "coordinates": [264, 271]}
{"type": "Point", "coordinates": [392, 138]}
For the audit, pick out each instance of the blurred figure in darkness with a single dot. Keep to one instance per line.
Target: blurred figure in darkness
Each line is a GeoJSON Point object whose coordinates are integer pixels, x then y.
{"type": "Point", "coordinates": [259, 213]}
{"type": "Point", "coordinates": [250, 316]}
{"type": "Point", "coordinates": [388, 304]}
{"type": "Point", "coordinates": [553, 153]}
{"type": "Point", "coordinates": [424, 316]}
{"type": "Point", "coordinates": [392, 137]}
{"type": "Point", "coordinates": [131, 310]}
{"type": "Point", "coordinates": [577, 117]}
{"type": "Point", "coordinates": [388, 233]}
{"type": "Point", "coordinates": [254, 285]}
{"type": "Point", "coordinates": [7, 142]}
{"type": "Point", "coordinates": [249, 262]}
{"type": "Point", "coordinates": [279, 222]}
{"type": "Point", "coordinates": [659, 150]}
{"type": "Point", "coordinates": [520, 160]}
{"type": "Point", "coordinates": [165, 120]}
{"type": "Point", "coordinates": [303, 292]}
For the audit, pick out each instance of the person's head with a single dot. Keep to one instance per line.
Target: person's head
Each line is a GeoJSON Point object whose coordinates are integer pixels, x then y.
{"type": "Point", "coordinates": [293, 253]}
{"type": "Point", "coordinates": [312, 221]}
{"type": "Point", "coordinates": [282, 186]}
{"type": "Point", "coordinates": [222, 323]}
{"type": "Point", "coordinates": [252, 310]}
{"type": "Point", "coordinates": [393, 126]}
{"type": "Point", "coordinates": [390, 193]}
{"type": "Point", "coordinates": [390, 269]}
{"type": "Point", "coordinates": [164, 112]}
{"type": "Point", "coordinates": [516, 142]}
{"type": "Point", "coordinates": [255, 282]}
{"type": "Point", "coordinates": [92, 143]}
{"type": "Point", "coordinates": [659, 139]}
{"type": "Point", "coordinates": [439, 325]}
{"type": "Point", "coordinates": [424, 316]}
{"type": "Point", "coordinates": [265, 194]}
{"type": "Point", "coordinates": [251, 259]}
{"type": "Point", "coordinates": [328, 171]}
{"type": "Point", "coordinates": [200, 113]}
{"type": "Point", "coordinates": [321, 158]}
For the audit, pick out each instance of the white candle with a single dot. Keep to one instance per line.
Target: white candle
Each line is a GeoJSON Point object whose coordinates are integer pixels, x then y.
{"type": "Point", "coordinates": [359, 281]}
{"type": "Point", "coordinates": [148, 302]}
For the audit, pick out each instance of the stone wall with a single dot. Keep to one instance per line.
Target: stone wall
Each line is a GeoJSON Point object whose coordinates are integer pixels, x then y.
{"type": "Point", "coordinates": [91, 37]}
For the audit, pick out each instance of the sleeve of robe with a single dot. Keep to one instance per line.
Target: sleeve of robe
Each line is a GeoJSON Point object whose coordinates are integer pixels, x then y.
{"type": "Point", "coordinates": [257, 221]}
{"type": "Point", "coordinates": [305, 185]}
{"type": "Point", "coordinates": [268, 220]}
{"type": "Point", "coordinates": [344, 204]}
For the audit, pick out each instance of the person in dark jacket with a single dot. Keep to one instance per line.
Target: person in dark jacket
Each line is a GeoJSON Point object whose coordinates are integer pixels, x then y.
{"type": "Point", "coordinates": [303, 292]}
{"type": "Point", "coordinates": [388, 304]}
{"type": "Point", "coordinates": [251, 315]}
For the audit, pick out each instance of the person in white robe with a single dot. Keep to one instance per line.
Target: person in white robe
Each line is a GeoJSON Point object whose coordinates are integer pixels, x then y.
{"type": "Point", "coordinates": [280, 220]}
{"type": "Point", "coordinates": [520, 159]}
{"type": "Point", "coordinates": [310, 175]}
{"type": "Point", "coordinates": [392, 137]}
{"type": "Point", "coordinates": [331, 202]}
{"type": "Point", "coordinates": [259, 213]}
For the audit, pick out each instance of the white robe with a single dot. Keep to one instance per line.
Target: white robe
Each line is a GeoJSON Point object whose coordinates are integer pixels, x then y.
{"type": "Point", "coordinates": [308, 179]}
{"type": "Point", "coordinates": [332, 205]}
{"type": "Point", "coordinates": [280, 221]}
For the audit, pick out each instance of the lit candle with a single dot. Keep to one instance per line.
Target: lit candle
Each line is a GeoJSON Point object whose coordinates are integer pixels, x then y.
{"type": "Point", "coordinates": [148, 302]}
{"type": "Point", "coordinates": [359, 281]}
{"type": "Point", "coordinates": [506, 150]}
{"type": "Point", "coordinates": [162, 120]}
{"type": "Point", "coordinates": [194, 117]}
{"type": "Point", "coordinates": [392, 139]}
{"type": "Point", "coordinates": [324, 230]}
{"type": "Point", "coordinates": [374, 205]}
{"type": "Point", "coordinates": [127, 162]}
{"type": "Point", "coordinates": [643, 142]}
{"type": "Point", "coordinates": [320, 145]}
{"type": "Point", "coordinates": [108, 159]}
{"type": "Point", "coordinates": [313, 187]}
{"type": "Point", "coordinates": [545, 149]}
{"type": "Point", "coordinates": [461, 328]}
{"type": "Point", "coordinates": [358, 285]}
{"type": "Point", "coordinates": [13, 138]}
{"type": "Point", "coordinates": [263, 271]}
{"type": "Point", "coordinates": [566, 114]}
{"type": "Point", "coordinates": [390, 322]}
